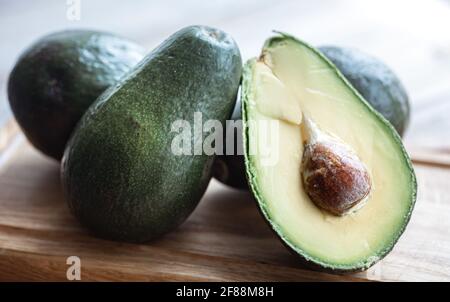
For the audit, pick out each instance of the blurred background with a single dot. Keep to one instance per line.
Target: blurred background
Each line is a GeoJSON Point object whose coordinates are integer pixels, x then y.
{"type": "Point", "coordinates": [411, 36]}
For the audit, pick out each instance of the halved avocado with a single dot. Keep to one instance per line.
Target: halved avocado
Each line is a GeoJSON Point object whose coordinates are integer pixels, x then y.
{"type": "Point", "coordinates": [372, 78]}
{"type": "Point", "coordinates": [290, 81]}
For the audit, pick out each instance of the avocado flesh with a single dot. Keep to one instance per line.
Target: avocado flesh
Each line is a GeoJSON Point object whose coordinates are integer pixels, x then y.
{"type": "Point", "coordinates": [351, 242]}
{"type": "Point", "coordinates": [120, 176]}
{"type": "Point", "coordinates": [373, 79]}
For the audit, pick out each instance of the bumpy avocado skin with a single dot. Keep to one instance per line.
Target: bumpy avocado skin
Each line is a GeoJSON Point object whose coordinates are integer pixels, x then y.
{"type": "Point", "coordinates": [376, 82]}
{"type": "Point", "coordinates": [56, 79]}
{"type": "Point", "coordinates": [119, 174]}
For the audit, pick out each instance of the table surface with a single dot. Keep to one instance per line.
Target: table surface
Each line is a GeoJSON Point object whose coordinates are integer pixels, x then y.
{"type": "Point", "coordinates": [410, 36]}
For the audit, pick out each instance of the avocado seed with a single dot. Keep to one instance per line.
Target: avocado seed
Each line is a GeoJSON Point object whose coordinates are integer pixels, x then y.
{"type": "Point", "coordinates": [333, 176]}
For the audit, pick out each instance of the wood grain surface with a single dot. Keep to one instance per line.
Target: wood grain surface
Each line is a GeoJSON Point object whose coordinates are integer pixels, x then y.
{"type": "Point", "coordinates": [226, 239]}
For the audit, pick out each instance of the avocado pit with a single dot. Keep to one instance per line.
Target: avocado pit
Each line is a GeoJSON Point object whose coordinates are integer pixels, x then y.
{"type": "Point", "coordinates": [333, 176]}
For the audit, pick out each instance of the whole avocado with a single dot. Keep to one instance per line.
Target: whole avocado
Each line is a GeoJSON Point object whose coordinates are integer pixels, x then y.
{"type": "Point", "coordinates": [58, 77]}
{"type": "Point", "coordinates": [376, 82]}
{"type": "Point", "coordinates": [123, 175]}
{"type": "Point", "coordinates": [230, 169]}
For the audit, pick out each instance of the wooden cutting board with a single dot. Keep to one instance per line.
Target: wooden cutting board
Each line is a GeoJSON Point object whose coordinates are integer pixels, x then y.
{"type": "Point", "coordinates": [224, 240]}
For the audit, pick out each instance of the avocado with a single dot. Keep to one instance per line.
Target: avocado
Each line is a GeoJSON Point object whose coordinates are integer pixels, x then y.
{"type": "Point", "coordinates": [121, 177]}
{"type": "Point", "coordinates": [56, 79]}
{"type": "Point", "coordinates": [229, 168]}
{"type": "Point", "coordinates": [376, 82]}
{"type": "Point", "coordinates": [329, 173]}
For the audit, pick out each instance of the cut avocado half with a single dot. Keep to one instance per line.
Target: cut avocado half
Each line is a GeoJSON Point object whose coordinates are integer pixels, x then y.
{"type": "Point", "coordinates": [292, 85]}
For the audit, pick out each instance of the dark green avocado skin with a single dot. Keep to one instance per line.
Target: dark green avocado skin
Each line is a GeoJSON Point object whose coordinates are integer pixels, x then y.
{"type": "Point", "coordinates": [230, 169]}
{"type": "Point", "coordinates": [119, 175]}
{"type": "Point", "coordinates": [376, 82]}
{"type": "Point", "coordinates": [56, 79]}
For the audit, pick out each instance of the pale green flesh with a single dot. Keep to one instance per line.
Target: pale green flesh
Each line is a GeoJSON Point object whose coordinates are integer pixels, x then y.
{"type": "Point", "coordinates": [313, 86]}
